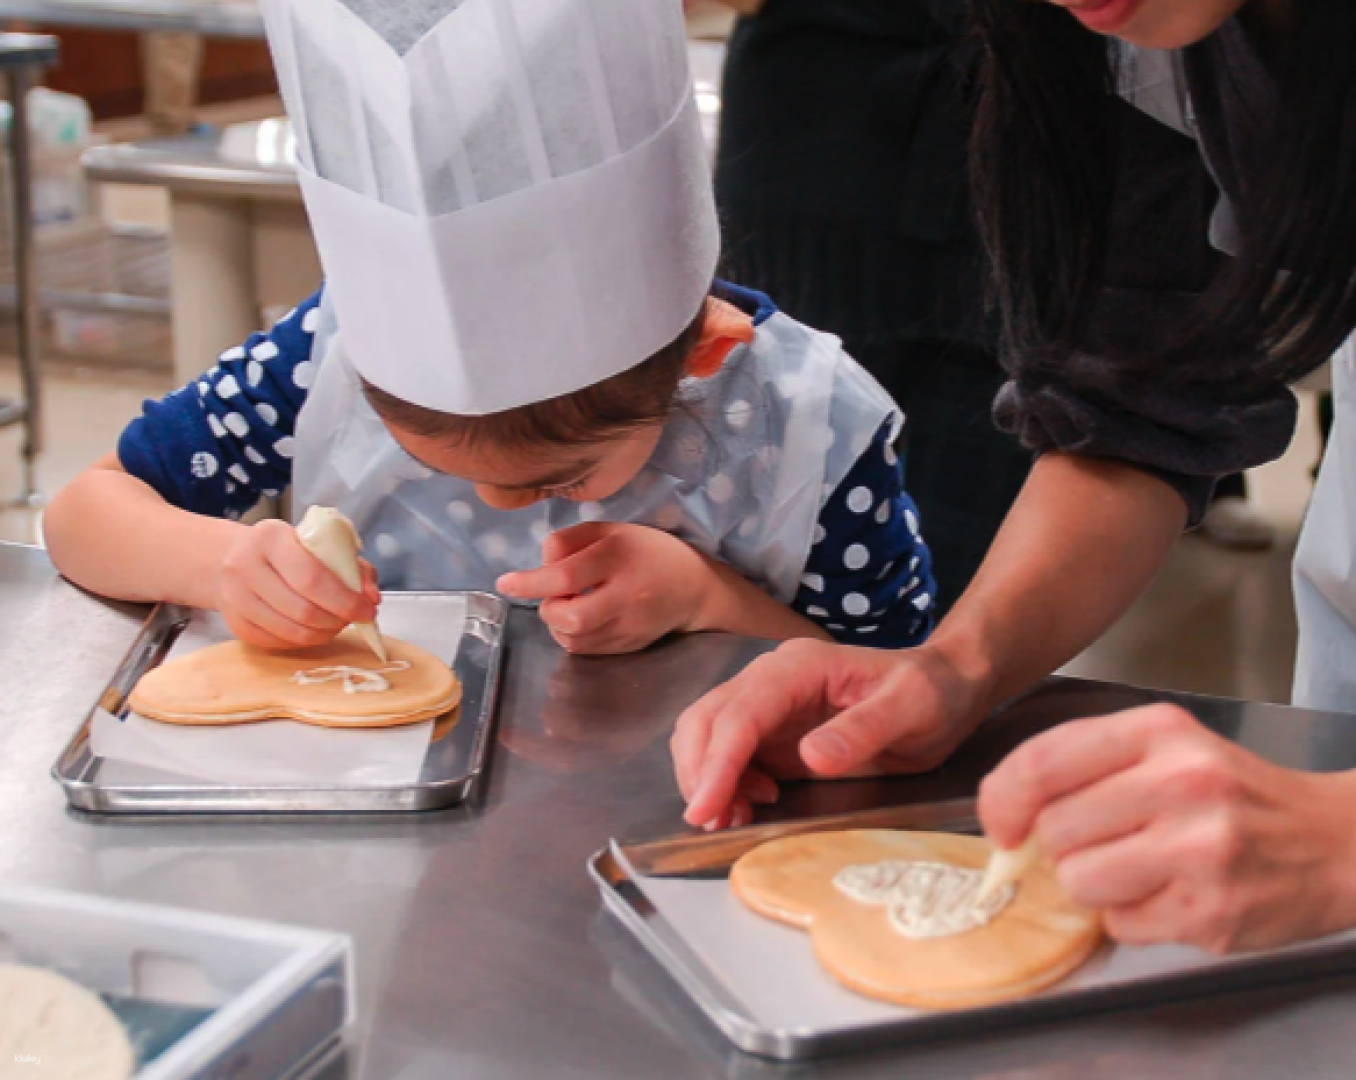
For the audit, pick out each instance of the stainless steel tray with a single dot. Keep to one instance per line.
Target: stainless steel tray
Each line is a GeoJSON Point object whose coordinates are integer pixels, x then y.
{"type": "Point", "coordinates": [451, 769]}
{"type": "Point", "coordinates": [759, 984]}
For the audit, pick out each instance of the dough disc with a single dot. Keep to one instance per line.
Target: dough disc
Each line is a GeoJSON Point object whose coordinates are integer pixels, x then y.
{"type": "Point", "coordinates": [54, 1029]}
{"type": "Point", "coordinates": [234, 683]}
{"type": "Point", "coordinates": [1037, 940]}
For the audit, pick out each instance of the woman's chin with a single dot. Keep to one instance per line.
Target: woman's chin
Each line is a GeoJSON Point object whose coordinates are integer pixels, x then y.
{"type": "Point", "coordinates": [1159, 26]}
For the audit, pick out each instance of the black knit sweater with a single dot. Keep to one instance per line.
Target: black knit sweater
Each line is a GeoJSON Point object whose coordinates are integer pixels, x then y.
{"type": "Point", "coordinates": [842, 177]}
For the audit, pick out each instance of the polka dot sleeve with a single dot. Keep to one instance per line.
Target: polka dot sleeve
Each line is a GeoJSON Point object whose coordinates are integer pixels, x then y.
{"type": "Point", "coordinates": [868, 580]}
{"type": "Point", "coordinates": [219, 445]}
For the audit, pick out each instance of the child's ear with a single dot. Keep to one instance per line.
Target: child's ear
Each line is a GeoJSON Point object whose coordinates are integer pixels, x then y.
{"type": "Point", "coordinates": [726, 329]}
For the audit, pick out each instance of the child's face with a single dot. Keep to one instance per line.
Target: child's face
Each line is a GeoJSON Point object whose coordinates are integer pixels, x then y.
{"type": "Point", "coordinates": [514, 480]}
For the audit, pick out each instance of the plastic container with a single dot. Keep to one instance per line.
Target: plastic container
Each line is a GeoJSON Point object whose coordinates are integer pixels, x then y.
{"type": "Point", "coordinates": [200, 995]}
{"type": "Point", "coordinates": [61, 125]}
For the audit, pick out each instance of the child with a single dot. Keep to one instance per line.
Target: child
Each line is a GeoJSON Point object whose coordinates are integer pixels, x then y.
{"type": "Point", "coordinates": [158, 521]}
{"type": "Point", "coordinates": [488, 423]}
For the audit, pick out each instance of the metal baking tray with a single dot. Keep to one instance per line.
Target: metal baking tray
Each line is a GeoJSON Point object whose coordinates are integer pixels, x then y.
{"type": "Point", "coordinates": [759, 984]}
{"type": "Point", "coordinates": [200, 996]}
{"type": "Point", "coordinates": [453, 764]}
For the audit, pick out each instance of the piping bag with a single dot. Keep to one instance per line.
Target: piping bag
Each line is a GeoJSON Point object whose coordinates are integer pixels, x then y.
{"type": "Point", "coordinates": [1008, 868]}
{"type": "Point", "coordinates": [330, 537]}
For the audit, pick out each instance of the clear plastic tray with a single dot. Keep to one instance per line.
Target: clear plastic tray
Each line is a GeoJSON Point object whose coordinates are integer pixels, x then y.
{"type": "Point", "coordinates": [200, 995]}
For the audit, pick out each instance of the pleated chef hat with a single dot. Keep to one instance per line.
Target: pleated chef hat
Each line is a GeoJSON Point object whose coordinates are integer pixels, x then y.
{"type": "Point", "coordinates": [511, 198]}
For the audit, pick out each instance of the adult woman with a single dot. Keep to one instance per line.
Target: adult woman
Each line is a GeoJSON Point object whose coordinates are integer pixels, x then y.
{"type": "Point", "coordinates": [1144, 364]}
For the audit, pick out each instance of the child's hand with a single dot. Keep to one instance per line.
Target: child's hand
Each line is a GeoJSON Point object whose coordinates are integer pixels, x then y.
{"type": "Point", "coordinates": [609, 588]}
{"type": "Point", "coordinates": [274, 594]}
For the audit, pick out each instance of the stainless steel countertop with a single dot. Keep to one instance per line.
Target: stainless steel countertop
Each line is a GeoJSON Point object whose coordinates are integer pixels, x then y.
{"type": "Point", "coordinates": [481, 948]}
{"type": "Point", "coordinates": [213, 18]}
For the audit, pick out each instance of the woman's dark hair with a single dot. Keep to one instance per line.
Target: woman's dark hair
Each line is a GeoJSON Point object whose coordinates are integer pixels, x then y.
{"type": "Point", "coordinates": [644, 395]}
{"type": "Point", "coordinates": [1044, 155]}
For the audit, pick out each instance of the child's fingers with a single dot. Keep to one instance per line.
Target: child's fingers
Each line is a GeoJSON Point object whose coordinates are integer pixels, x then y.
{"type": "Point", "coordinates": [252, 634]}
{"type": "Point", "coordinates": [242, 603]}
{"type": "Point", "coordinates": [571, 576]}
{"type": "Point", "coordinates": [579, 616]}
{"type": "Point", "coordinates": [371, 583]}
{"type": "Point", "coordinates": [268, 583]}
{"type": "Point", "coordinates": [311, 581]}
{"type": "Point", "coordinates": [601, 643]}
{"type": "Point", "coordinates": [561, 545]}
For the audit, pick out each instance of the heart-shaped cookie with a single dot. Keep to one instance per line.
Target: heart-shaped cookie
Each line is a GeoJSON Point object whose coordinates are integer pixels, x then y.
{"type": "Point", "coordinates": [873, 899]}
{"type": "Point", "coordinates": [336, 685]}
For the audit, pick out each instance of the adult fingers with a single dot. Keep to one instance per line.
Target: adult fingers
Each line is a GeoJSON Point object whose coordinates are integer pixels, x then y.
{"type": "Point", "coordinates": [1186, 913]}
{"type": "Point", "coordinates": [741, 814]}
{"type": "Point", "coordinates": [1064, 760]}
{"type": "Point", "coordinates": [856, 735]}
{"type": "Point", "coordinates": [759, 788]}
{"type": "Point", "coordinates": [738, 814]}
{"type": "Point", "coordinates": [1122, 873]}
{"type": "Point", "coordinates": [572, 575]}
{"type": "Point", "coordinates": [756, 788]}
{"type": "Point", "coordinates": [905, 713]}
{"type": "Point", "coordinates": [1105, 811]}
{"type": "Point", "coordinates": [691, 736]}
{"type": "Point", "coordinates": [1148, 922]}
{"type": "Point", "coordinates": [769, 693]}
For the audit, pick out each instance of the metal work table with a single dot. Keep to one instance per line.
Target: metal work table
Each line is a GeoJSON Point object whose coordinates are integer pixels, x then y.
{"type": "Point", "coordinates": [481, 948]}
{"type": "Point", "coordinates": [222, 18]}
{"type": "Point", "coordinates": [240, 241]}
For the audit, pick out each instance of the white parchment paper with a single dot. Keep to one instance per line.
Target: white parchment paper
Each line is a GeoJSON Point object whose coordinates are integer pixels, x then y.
{"type": "Point", "coordinates": [772, 968]}
{"type": "Point", "coordinates": [282, 752]}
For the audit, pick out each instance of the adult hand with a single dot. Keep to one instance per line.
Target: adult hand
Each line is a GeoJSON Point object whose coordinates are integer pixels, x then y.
{"type": "Point", "coordinates": [609, 588]}
{"type": "Point", "coordinates": [1176, 835]}
{"type": "Point", "coordinates": [274, 594]}
{"type": "Point", "coordinates": [815, 709]}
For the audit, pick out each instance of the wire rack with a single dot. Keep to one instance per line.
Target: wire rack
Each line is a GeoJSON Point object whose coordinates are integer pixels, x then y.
{"type": "Point", "coordinates": [106, 293]}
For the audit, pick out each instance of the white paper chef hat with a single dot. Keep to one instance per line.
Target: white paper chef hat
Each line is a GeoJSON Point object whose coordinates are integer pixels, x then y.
{"type": "Point", "coordinates": [511, 198]}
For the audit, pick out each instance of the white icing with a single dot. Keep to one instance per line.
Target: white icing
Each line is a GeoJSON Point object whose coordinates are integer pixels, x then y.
{"type": "Point", "coordinates": [926, 899]}
{"type": "Point", "coordinates": [356, 680]}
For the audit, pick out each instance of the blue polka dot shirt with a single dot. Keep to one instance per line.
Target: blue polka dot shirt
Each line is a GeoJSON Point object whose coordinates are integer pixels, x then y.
{"type": "Point", "coordinates": [218, 446]}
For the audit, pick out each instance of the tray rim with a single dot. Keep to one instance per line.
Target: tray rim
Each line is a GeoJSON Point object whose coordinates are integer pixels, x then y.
{"type": "Point", "coordinates": [205, 801]}
{"type": "Point", "coordinates": [611, 872]}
